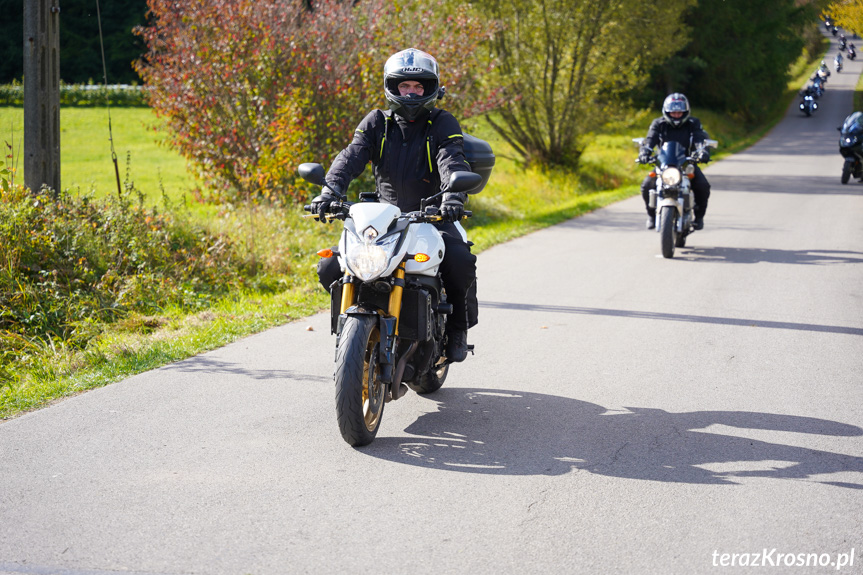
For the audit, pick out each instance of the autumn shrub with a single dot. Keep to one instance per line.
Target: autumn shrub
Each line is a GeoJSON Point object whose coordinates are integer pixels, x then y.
{"type": "Point", "coordinates": [250, 88]}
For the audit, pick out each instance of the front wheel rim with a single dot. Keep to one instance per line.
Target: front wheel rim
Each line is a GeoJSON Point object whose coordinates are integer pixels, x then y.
{"type": "Point", "coordinates": [373, 387]}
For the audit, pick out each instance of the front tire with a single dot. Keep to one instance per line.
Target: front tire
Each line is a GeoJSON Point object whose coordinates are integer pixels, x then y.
{"type": "Point", "coordinates": [846, 172]}
{"type": "Point", "coordinates": [668, 230]}
{"type": "Point", "coordinates": [359, 392]}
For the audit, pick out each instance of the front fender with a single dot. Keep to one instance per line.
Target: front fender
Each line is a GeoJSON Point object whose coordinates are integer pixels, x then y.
{"type": "Point", "coordinates": [669, 202]}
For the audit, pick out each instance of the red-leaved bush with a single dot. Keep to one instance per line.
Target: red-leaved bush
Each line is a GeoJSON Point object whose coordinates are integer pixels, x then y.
{"type": "Point", "coordinates": [251, 88]}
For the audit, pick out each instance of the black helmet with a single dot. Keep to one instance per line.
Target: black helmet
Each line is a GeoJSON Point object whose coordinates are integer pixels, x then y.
{"type": "Point", "coordinates": [411, 64]}
{"type": "Point", "coordinates": [676, 102]}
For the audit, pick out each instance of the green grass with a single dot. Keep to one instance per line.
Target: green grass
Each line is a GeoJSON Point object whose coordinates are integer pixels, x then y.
{"type": "Point", "coordinates": [516, 201]}
{"type": "Point", "coordinates": [86, 165]}
{"type": "Point", "coordinates": [128, 349]}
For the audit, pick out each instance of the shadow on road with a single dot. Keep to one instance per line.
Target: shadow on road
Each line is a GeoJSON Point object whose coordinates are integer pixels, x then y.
{"type": "Point", "coordinates": [515, 433]}
{"type": "Point", "coordinates": [759, 255]}
{"type": "Point", "coordinates": [203, 364]}
{"type": "Point", "coordinates": [673, 317]}
{"type": "Point", "coordinates": [785, 184]}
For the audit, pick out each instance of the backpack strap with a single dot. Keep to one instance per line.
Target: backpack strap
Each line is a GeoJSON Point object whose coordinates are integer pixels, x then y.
{"type": "Point", "coordinates": [387, 116]}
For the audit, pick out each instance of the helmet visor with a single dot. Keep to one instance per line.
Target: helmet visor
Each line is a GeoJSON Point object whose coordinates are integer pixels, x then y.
{"type": "Point", "coordinates": [675, 106]}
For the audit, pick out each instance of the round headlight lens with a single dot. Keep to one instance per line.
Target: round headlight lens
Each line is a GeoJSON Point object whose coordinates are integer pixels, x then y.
{"type": "Point", "coordinates": [671, 176]}
{"type": "Point", "coordinates": [368, 260]}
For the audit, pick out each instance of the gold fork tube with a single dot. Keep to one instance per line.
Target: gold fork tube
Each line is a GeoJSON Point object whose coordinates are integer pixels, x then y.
{"type": "Point", "coordinates": [347, 296]}
{"type": "Point", "coordinates": [396, 295]}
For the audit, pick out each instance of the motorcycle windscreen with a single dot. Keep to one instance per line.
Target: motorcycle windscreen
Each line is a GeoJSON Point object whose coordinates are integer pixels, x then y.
{"type": "Point", "coordinates": [853, 124]}
{"type": "Point", "coordinates": [671, 154]}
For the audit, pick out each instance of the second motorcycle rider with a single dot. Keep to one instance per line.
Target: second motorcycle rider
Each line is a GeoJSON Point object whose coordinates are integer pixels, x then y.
{"type": "Point", "coordinates": [413, 148]}
{"type": "Point", "coordinates": [677, 125]}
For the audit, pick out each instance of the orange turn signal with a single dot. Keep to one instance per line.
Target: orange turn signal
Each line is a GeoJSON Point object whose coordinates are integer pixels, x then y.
{"type": "Point", "coordinates": [652, 174]}
{"type": "Point", "coordinates": [327, 253]}
{"type": "Point", "coordinates": [421, 258]}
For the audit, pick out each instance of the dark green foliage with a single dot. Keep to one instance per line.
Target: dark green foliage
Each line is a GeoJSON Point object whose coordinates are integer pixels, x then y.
{"type": "Point", "coordinates": [11, 40]}
{"type": "Point", "coordinates": [738, 55]}
{"type": "Point", "coordinates": [80, 54]}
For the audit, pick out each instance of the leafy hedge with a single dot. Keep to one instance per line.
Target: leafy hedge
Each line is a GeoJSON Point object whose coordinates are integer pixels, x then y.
{"type": "Point", "coordinates": [89, 95]}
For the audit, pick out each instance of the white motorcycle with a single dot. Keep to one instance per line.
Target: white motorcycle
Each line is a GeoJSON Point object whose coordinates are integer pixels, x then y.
{"type": "Point", "coordinates": [389, 310]}
{"type": "Point", "coordinates": [672, 197]}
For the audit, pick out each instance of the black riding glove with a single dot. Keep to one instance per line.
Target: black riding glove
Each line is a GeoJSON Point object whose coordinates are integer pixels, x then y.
{"type": "Point", "coordinates": [321, 204]}
{"type": "Point", "coordinates": [644, 156]}
{"type": "Point", "coordinates": [452, 209]}
{"type": "Point", "coordinates": [703, 156]}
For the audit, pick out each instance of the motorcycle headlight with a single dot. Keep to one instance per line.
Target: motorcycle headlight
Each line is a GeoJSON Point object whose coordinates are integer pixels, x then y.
{"type": "Point", "coordinates": [671, 176]}
{"type": "Point", "coordinates": [367, 258]}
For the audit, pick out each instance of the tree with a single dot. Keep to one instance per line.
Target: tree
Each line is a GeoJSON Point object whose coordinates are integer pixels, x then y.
{"type": "Point", "coordinates": [741, 51]}
{"type": "Point", "coordinates": [249, 88]}
{"type": "Point", "coordinates": [344, 79]}
{"type": "Point", "coordinates": [80, 54]}
{"type": "Point", "coordinates": [568, 63]}
{"type": "Point", "coordinates": [848, 14]}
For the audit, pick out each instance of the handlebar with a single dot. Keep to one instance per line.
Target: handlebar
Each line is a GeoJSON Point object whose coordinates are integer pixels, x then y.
{"type": "Point", "coordinates": [339, 211]}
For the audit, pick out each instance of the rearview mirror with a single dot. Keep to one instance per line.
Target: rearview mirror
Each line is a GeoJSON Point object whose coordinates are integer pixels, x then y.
{"type": "Point", "coordinates": [313, 173]}
{"type": "Point", "coordinates": [464, 182]}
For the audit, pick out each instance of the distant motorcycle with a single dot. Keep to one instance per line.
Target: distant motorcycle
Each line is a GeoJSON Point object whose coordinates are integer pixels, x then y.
{"type": "Point", "coordinates": [673, 197]}
{"type": "Point", "coordinates": [821, 74]}
{"type": "Point", "coordinates": [851, 146]}
{"type": "Point", "coordinates": [852, 53]}
{"type": "Point", "coordinates": [808, 105]}
{"type": "Point", "coordinates": [837, 63]}
{"type": "Point", "coordinates": [817, 88]}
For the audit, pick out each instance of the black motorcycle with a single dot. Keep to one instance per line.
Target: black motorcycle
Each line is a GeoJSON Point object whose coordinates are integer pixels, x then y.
{"type": "Point", "coordinates": [808, 105]}
{"type": "Point", "coordinates": [851, 52]}
{"type": "Point", "coordinates": [851, 146]}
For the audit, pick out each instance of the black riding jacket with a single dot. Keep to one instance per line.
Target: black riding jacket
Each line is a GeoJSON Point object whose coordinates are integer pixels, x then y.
{"type": "Point", "coordinates": [410, 159]}
{"type": "Point", "coordinates": [687, 134]}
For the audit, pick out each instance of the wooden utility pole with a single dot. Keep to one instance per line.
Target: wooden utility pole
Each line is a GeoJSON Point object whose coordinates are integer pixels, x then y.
{"type": "Point", "coordinates": [42, 94]}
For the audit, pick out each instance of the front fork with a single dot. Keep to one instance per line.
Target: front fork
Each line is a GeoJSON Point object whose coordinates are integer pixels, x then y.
{"type": "Point", "coordinates": [387, 323]}
{"type": "Point", "coordinates": [682, 203]}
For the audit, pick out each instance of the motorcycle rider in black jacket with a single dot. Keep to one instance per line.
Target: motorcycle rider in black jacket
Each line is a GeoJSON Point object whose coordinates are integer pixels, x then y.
{"type": "Point", "coordinates": [413, 148]}
{"type": "Point", "coordinates": [676, 125]}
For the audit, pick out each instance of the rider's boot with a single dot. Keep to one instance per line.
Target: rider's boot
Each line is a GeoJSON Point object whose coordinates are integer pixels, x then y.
{"type": "Point", "coordinates": [456, 345]}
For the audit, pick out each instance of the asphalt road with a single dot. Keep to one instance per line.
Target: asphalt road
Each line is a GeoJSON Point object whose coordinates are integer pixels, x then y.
{"type": "Point", "coordinates": [624, 413]}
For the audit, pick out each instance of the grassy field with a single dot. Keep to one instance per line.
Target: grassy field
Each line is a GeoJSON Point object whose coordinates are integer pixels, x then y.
{"type": "Point", "coordinates": [516, 201]}
{"type": "Point", "coordinates": [85, 151]}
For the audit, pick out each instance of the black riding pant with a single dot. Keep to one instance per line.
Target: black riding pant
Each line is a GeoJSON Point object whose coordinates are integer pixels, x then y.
{"type": "Point", "coordinates": [700, 191]}
{"type": "Point", "coordinates": [458, 271]}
